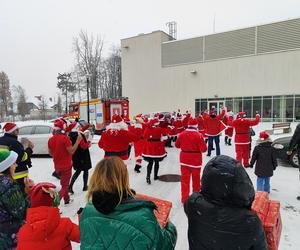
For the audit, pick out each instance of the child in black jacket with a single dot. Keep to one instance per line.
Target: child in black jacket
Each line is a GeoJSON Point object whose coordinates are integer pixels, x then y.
{"type": "Point", "coordinates": [264, 156]}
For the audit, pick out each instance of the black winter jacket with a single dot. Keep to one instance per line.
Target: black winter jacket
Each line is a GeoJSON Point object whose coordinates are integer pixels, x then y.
{"type": "Point", "coordinates": [264, 155]}
{"type": "Point", "coordinates": [219, 217]}
{"type": "Point", "coordinates": [11, 142]}
{"type": "Point", "coordinates": [81, 158]}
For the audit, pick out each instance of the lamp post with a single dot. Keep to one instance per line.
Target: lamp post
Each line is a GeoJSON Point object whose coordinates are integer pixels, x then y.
{"type": "Point", "coordinates": [88, 97]}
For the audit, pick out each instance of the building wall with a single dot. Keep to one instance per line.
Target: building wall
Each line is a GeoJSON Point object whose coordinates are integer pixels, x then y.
{"type": "Point", "coordinates": [151, 87]}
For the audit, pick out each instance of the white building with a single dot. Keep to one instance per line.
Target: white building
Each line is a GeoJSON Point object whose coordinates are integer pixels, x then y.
{"type": "Point", "coordinates": [251, 69]}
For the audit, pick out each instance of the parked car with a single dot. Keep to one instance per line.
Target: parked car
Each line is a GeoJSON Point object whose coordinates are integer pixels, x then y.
{"type": "Point", "coordinates": [281, 145]}
{"type": "Point", "coordinates": [38, 134]}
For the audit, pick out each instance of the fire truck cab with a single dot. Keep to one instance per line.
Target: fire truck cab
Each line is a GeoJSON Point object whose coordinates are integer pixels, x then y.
{"type": "Point", "coordinates": [102, 110]}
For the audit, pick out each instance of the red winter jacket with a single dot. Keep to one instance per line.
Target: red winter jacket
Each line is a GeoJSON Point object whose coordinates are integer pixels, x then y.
{"type": "Point", "coordinates": [116, 142]}
{"type": "Point", "coordinates": [242, 129]}
{"type": "Point", "coordinates": [178, 126]}
{"type": "Point", "coordinates": [45, 229]}
{"type": "Point", "coordinates": [192, 146]}
{"type": "Point", "coordinates": [214, 126]}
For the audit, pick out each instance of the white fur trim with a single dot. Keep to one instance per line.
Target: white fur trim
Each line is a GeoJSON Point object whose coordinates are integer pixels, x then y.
{"type": "Point", "coordinates": [191, 166]}
{"type": "Point", "coordinates": [138, 125]}
{"type": "Point", "coordinates": [163, 138]}
{"type": "Point", "coordinates": [117, 126]}
{"type": "Point", "coordinates": [242, 143]}
{"type": "Point", "coordinates": [155, 156]}
{"type": "Point", "coordinates": [192, 130]}
{"type": "Point", "coordinates": [76, 127]}
{"type": "Point", "coordinates": [11, 159]}
{"type": "Point", "coordinates": [11, 130]}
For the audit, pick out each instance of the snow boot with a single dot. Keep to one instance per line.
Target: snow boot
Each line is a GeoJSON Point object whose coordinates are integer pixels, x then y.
{"type": "Point", "coordinates": [229, 141]}
{"type": "Point", "coordinates": [298, 198]}
{"type": "Point", "coordinates": [156, 168]}
{"type": "Point", "coordinates": [137, 168]}
{"type": "Point", "coordinates": [226, 140]}
{"type": "Point", "coordinates": [71, 190]}
{"type": "Point", "coordinates": [149, 170]}
{"type": "Point", "coordinates": [54, 174]}
{"type": "Point", "coordinates": [85, 188]}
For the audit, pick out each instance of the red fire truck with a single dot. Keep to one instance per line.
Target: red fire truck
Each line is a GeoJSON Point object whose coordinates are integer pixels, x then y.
{"type": "Point", "coordinates": [101, 111]}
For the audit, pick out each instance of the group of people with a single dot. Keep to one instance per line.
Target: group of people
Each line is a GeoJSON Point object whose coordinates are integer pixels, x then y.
{"type": "Point", "coordinates": [113, 217]}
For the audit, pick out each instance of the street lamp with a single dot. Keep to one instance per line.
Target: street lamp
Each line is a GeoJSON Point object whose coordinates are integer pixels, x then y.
{"type": "Point", "coordinates": [88, 97]}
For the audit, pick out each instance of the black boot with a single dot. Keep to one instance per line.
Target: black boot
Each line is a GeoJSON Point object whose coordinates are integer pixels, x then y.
{"type": "Point", "coordinates": [298, 198]}
{"type": "Point", "coordinates": [149, 169]}
{"type": "Point", "coordinates": [229, 141]}
{"type": "Point", "coordinates": [71, 190]}
{"type": "Point", "coordinates": [226, 140]}
{"type": "Point", "coordinates": [56, 175]}
{"type": "Point", "coordinates": [148, 180]}
{"type": "Point", "coordinates": [137, 168]}
{"type": "Point", "coordinates": [156, 168]}
{"type": "Point", "coordinates": [85, 180]}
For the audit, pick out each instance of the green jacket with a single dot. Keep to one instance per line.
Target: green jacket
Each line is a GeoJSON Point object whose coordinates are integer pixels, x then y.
{"type": "Point", "coordinates": [132, 225]}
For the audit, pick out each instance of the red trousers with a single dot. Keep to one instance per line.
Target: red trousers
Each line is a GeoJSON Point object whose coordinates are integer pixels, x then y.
{"type": "Point", "coordinates": [65, 176]}
{"type": "Point", "coordinates": [186, 173]}
{"type": "Point", "coordinates": [242, 153]}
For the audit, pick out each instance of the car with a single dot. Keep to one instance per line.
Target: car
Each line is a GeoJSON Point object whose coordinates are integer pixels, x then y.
{"type": "Point", "coordinates": [281, 145]}
{"type": "Point", "coordinates": [38, 134]}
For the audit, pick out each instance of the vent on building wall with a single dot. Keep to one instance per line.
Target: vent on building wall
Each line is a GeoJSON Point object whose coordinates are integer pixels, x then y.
{"type": "Point", "coordinates": [278, 36]}
{"type": "Point", "coordinates": [230, 44]}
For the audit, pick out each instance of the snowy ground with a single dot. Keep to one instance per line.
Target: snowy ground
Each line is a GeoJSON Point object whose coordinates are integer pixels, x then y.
{"type": "Point", "coordinates": [285, 187]}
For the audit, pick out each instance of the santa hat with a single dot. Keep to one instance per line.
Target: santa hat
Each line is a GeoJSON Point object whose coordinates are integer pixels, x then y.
{"type": "Point", "coordinates": [117, 123]}
{"type": "Point", "coordinates": [7, 158]}
{"type": "Point", "coordinates": [146, 119]}
{"type": "Point", "coordinates": [264, 137]}
{"type": "Point", "coordinates": [74, 127]}
{"type": "Point", "coordinates": [161, 117]}
{"type": "Point", "coordinates": [10, 127]}
{"type": "Point", "coordinates": [241, 115]}
{"type": "Point", "coordinates": [127, 120]}
{"type": "Point", "coordinates": [212, 112]}
{"type": "Point", "coordinates": [44, 194]}
{"type": "Point", "coordinates": [59, 125]}
{"type": "Point", "coordinates": [85, 127]}
{"type": "Point", "coordinates": [192, 123]}
{"type": "Point", "coordinates": [179, 116]}
{"type": "Point", "coordinates": [154, 122]}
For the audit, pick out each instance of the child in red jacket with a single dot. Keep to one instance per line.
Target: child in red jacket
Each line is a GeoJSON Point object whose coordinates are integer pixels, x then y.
{"type": "Point", "coordinates": [44, 228]}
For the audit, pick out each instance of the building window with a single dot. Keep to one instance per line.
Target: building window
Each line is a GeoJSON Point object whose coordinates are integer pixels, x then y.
{"type": "Point", "coordinates": [277, 114]}
{"type": "Point", "coordinates": [257, 101]}
{"type": "Point", "coordinates": [229, 103]}
{"type": "Point", "coordinates": [203, 105]}
{"type": "Point", "coordinates": [297, 108]}
{"type": "Point", "coordinates": [289, 103]}
{"type": "Point", "coordinates": [267, 108]}
{"type": "Point", "coordinates": [237, 105]}
{"type": "Point", "coordinates": [247, 106]}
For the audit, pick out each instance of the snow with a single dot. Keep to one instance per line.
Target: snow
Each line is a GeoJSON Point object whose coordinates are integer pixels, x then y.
{"type": "Point", "coordinates": [284, 187]}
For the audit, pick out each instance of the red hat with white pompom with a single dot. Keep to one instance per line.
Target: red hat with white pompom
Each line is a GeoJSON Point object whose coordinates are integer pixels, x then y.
{"type": "Point", "coordinates": [264, 137]}
{"type": "Point", "coordinates": [192, 123]}
{"type": "Point", "coordinates": [10, 127]}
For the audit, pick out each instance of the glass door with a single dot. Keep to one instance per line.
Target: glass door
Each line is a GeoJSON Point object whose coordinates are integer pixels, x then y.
{"type": "Point", "coordinates": [215, 105]}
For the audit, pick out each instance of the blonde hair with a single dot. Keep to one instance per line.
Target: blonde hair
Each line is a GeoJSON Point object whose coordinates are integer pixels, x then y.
{"type": "Point", "coordinates": [111, 176]}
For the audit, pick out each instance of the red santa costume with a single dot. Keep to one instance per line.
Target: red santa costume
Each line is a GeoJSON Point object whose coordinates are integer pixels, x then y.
{"type": "Point", "coordinates": [178, 124]}
{"type": "Point", "coordinates": [186, 119]}
{"type": "Point", "coordinates": [192, 146]}
{"type": "Point", "coordinates": [229, 129]}
{"type": "Point", "coordinates": [116, 138]}
{"type": "Point", "coordinates": [242, 136]}
{"type": "Point", "coordinates": [213, 128]}
{"type": "Point", "coordinates": [201, 127]}
{"type": "Point", "coordinates": [138, 145]}
{"type": "Point", "coordinates": [154, 149]}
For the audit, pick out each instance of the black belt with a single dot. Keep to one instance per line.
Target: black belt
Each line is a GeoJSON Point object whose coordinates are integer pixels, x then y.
{"type": "Point", "coordinates": [118, 153]}
{"type": "Point", "coordinates": [194, 152]}
{"type": "Point", "coordinates": [152, 139]}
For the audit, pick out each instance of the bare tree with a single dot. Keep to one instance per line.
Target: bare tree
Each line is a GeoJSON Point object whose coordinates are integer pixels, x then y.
{"type": "Point", "coordinates": [88, 52]}
{"type": "Point", "coordinates": [5, 95]}
{"type": "Point", "coordinates": [20, 100]}
{"type": "Point", "coordinates": [43, 104]}
{"type": "Point", "coordinates": [59, 105]}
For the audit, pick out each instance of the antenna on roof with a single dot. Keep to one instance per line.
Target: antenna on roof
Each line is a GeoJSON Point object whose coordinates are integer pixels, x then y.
{"type": "Point", "coordinates": [172, 29]}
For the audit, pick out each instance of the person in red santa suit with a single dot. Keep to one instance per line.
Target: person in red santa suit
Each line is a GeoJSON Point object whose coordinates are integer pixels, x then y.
{"type": "Point", "coordinates": [192, 146]}
{"type": "Point", "coordinates": [229, 129]}
{"type": "Point", "coordinates": [116, 138]}
{"type": "Point", "coordinates": [61, 149]}
{"type": "Point", "coordinates": [200, 121]}
{"type": "Point", "coordinates": [242, 136]}
{"type": "Point", "coordinates": [138, 145]}
{"type": "Point", "coordinates": [213, 128]}
{"type": "Point", "coordinates": [178, 125]}
{"type": "Point", "coordinates": [154, 149]}
{"type": "Point", "coordinates": [186, 119]}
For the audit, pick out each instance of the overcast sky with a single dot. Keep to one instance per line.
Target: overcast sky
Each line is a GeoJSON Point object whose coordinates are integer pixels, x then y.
{"type": "Point", "coordinates": [36, 35]}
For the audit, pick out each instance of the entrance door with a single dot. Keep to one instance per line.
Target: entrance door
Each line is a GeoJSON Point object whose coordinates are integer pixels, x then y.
{"type": "Point", "coordinates": [215, 105]}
